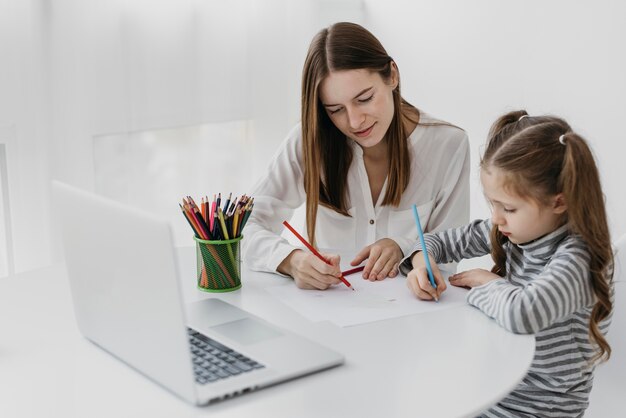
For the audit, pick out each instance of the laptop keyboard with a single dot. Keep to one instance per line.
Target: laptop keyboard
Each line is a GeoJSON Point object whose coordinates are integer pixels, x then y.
{"type": "Point", "coordinates": [213, 361]}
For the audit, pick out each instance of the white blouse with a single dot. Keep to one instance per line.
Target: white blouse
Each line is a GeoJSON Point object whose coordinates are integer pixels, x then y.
{"type": "Point", "coordinates": [439, 186]}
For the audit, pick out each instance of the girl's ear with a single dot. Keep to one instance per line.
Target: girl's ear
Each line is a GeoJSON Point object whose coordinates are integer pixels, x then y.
{"type": "Point", "coordinates": [559, 205]}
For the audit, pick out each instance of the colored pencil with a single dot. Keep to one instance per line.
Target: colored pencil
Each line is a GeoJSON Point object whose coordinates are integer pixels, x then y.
{"type": "Point", "coordinates": [212, 222]}
{"type": "Point", "coordinates": [431, 277]}
{"type": "Point", "coordinates": [227, 202]}
{"type": "Point", "coordinates": [352, 271]}
{"type": "Point", "coordinates": [314, 251]}
{"type": "Point", "coordinates": [189, 220]}
{"type": "Point", "coordinates": [233, 224]}
{"type": "Point", "coordinates": [220, 215]}
{"type": "Point", "coordinates": [198, 218]}
{"type": "Point", "coordinates": [195, 225]}
{"type": "Point", "coordinates": [225, 232]}
{"type": "Point", "coordinates": [217, 232]}
{"type": "Point", "coordinates": [206, 211]}
{"type": "Point", "coordinates": [245, 217]}
{"type": "Point", "coordinates": [211, 215]}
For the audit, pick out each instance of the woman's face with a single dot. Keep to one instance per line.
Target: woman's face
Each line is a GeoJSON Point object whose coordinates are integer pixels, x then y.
{"type": "Point", "coordinates": [359, 103]}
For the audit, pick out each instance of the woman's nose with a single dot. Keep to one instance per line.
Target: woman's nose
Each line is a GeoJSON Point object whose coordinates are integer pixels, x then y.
{"type": "Point", "coordinates": [355, 119]}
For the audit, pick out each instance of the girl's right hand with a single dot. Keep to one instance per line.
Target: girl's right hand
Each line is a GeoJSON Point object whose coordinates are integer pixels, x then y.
{"type": "Point", "coordinates": [309, 272]}
{"type": "Point", "coordinates": [417, 280]}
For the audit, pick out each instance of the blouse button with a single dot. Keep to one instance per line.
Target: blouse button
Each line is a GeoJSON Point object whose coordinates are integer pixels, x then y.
{"type": "Point", "coordinates": [371, 222]}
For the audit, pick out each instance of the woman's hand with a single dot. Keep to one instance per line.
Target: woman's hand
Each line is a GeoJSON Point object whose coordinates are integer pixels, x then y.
{"type": "Point", "coordinates": [417, 280]}
{"type": "Point", "coordinates": [473, 278]}
{"type": "Point", "coordinates": [309, 272]}
{"type": "Point", "coordinates": [382, 257]}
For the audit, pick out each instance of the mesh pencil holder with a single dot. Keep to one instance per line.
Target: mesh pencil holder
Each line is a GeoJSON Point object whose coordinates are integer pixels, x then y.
{"type": "Point", "coordinates": [218, 264]}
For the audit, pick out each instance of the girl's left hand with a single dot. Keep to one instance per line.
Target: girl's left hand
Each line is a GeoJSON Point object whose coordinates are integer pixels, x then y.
{"type": "Point", "coordinates": [382, 257]}
{"type": "Point", "coordinates": [472, 278]}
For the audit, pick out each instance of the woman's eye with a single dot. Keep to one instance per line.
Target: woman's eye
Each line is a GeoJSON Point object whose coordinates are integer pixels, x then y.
{"type": "Point", "coordinates": [333, 111]}
{"type": "Point", "coordinates": [366, 99]}
{"type": "Point", "coordinates": [509, 210]}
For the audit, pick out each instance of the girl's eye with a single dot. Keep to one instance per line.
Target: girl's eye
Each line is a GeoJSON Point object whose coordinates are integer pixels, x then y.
{"type": "Point", "coordinates": [332, 112]}
{"type": "Point", "coordinates": [366, 100]}
{"type": "Point", "coordinates": [509, 210]}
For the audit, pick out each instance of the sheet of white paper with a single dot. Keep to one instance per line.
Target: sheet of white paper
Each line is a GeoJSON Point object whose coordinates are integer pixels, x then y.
{"type": "Point", "coordinates": [372, 301]}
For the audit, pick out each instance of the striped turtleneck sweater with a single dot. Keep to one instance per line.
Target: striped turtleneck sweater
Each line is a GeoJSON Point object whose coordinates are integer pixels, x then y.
{"type": "Point", "coordinates": [547, 292]}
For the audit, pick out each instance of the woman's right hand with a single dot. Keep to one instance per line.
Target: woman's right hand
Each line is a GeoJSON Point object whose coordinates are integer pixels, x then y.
{"type": "Point", "coordinates": [417, 280]}
{"type": "Point", "coordinates": [309, 272]}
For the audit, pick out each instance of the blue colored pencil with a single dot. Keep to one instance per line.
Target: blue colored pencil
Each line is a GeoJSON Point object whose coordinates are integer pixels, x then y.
{"type": "Point", "coordinates": [431, 277]}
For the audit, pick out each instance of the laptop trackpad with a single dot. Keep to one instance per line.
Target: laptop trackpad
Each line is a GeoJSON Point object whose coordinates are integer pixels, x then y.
{"type": "Point", "coordinates": [246, 331]}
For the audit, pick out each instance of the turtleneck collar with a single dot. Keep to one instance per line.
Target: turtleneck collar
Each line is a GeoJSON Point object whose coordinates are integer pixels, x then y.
{"type": "Point", "coordinates": [544, 247]}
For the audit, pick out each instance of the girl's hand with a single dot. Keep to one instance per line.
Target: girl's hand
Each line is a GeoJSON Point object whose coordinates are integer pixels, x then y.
{"type": "Point", "coordinates": [382, 257]}
{"type": "Point", "coordinates": [309, 272]}
{"type": "Point", "coordinates": [417, 280]}
{"type": "Point", "coordinates": [473, 278]}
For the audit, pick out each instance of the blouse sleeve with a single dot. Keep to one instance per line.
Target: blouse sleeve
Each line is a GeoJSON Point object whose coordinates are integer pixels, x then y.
{"type": "Point", "coordinates": [451, 196]}
{"type": "Point", "coordinates": [276, 195]}
{"type": "Point", "coordinates": [452, 201]}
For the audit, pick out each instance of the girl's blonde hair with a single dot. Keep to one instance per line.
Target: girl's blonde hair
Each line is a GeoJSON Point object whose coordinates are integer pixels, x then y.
{"type": "Point", "coordinates": [326, 153]}
{"type": "Point", "coordinates": [541, 157]}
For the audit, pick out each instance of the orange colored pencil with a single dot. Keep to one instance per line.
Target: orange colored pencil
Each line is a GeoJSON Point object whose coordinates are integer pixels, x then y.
{"type": "Point", "coordinates": [314, 251]}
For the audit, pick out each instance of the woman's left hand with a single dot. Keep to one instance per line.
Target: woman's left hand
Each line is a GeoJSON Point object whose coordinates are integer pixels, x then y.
{"type": "Point", "coordinates": [473, 278]}
{"type": "Point", "coordinates": [382, 257]}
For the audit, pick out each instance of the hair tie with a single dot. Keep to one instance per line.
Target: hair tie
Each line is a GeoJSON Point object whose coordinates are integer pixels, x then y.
{"type": "Point", "coordinates": [562, 139]}
{"type": "Point", "coordinates": [522, 117]}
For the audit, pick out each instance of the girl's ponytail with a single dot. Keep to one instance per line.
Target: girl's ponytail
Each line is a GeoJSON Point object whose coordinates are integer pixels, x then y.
{"type": "Point", "coordinates": [580, 183]}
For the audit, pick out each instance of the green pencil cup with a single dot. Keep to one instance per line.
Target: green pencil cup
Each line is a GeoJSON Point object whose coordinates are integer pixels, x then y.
{"type": "Point", "coordinates": [218, 265]}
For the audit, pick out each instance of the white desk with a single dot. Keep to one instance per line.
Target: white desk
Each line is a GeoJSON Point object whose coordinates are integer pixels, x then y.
{"type": "Point", "coordinates": [450, 363]}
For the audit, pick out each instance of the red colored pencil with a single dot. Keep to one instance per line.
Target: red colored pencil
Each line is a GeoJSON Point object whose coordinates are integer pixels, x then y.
{"type": "Point", "coordinates": [352, 271]}
{"type": "Point", "coordinates": [314, 251]}
{"type": "Point", "coordinates": [211, 215]}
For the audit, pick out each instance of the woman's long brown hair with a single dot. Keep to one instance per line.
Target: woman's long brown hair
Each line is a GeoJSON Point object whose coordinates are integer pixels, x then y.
{"type": "Point", "coordinates": [538, 166]}
{"type": "Point", "coordinates": [326, 152]}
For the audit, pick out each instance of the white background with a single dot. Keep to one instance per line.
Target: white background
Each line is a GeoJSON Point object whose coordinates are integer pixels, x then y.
{"type": "Point", "coordinates": [72, 71]}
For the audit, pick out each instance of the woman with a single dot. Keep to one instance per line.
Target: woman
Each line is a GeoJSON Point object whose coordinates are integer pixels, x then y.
{"type": "Point", "coordinates": [359, 159]}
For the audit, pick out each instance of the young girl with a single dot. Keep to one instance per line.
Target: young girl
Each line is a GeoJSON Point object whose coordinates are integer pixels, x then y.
{"type": "Point", "coordinates": [549, 239]}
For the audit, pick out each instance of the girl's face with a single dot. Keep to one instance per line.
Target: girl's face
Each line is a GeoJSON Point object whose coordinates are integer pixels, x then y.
{"type": "Point", "coordinates": [360, 104]}
{"type": "Point", "coordinates": [521, 219]}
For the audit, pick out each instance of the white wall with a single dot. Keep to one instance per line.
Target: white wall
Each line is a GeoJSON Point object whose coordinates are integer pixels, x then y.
{"type": "Point", "coordinates": [74, 69]}
{"type": "Point", "coordinates": [470, 61]}
{"type": "Point", "coordinates": [24, 123]}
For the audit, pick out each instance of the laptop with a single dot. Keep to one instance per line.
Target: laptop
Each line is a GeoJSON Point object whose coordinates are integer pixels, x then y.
{"type": "Point", "coordinates": [125, 289]}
